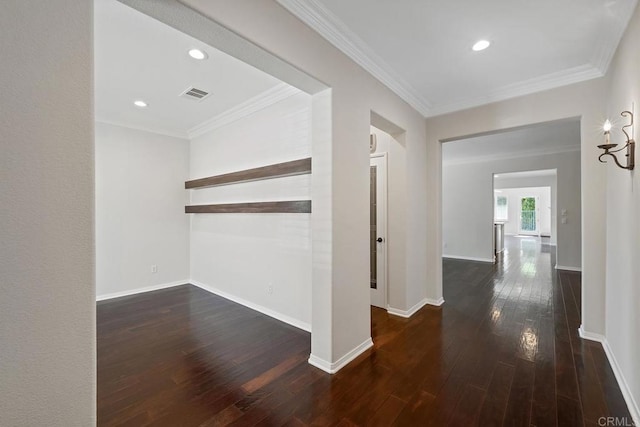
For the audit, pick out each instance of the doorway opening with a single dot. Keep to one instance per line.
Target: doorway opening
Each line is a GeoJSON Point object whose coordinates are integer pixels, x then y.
{"type": "Point", "coordinates": [378, 228]}
{"type": "Point", "coordinates": [480, 175]}
{"type": "Point", "coordinates": [525, 205]}
{"type": "Point", "coordinates": [181, 99]}
{"type": "Point", "coordinates": [387, 166]}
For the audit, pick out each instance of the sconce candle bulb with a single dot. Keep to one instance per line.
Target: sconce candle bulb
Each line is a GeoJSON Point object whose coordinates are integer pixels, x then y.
{"type": "Point", "coordinates": [607, 131]}
{"type": "Point", "coordinates": [630, 145]}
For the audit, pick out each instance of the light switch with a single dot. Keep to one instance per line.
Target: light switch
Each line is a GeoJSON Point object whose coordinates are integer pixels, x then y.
{"type": "Point", "coordinates": [563, 212]}
{"type": "Point", "coordinates": [564, 220]}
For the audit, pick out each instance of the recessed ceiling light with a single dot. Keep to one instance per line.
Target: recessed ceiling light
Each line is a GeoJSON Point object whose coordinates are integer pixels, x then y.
{"type": "Point", "coordinates": [198, 54]}
{"type": "Point", "coordinates": [140, 103]}
{"type": "Point", "coordinates": [481, 45]}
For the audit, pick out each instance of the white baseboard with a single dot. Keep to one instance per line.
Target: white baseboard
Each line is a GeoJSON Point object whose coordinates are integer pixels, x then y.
{"type": "Point", "coordinates": [564, 267]}
{"type": "Point", "coordinates": [141, 290]}
{"type": "Point", "coordinates": [407, 313]}
{"type": "Point", "coordinates": [622, 382]}
{"type": "Point", "coordinates": [624, 387]}
{"type": "Point", "coordinates": [334, 367]}
{"type": "Point", "coordinates": [413, 310]}
{"type": "Point", "coordinates": [469, 258]}
{"type": "Point", "coordinates": [590, 335]}
{"type": "Point", "coordinates": [436, 302]}
{"type": "Point", "coordinates": [264, 310]}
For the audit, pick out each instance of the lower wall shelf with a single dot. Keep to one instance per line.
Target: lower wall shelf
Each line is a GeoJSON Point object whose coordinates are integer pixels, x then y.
{"type": "Point", "coordinates": [295, 206]}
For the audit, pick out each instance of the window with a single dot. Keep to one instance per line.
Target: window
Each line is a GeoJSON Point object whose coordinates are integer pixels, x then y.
{"type": "Point", "coordinates": [528, 220]}
{"type": "Point", "coordinates": [501, 208]}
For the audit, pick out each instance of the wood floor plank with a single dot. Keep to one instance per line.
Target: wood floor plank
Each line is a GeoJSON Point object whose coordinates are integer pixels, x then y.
{"type": "Point", "coordinates": [569, 412]}
{"type": "Point", "coordinates": [387, 413]}
{"type": "Point", "coordinates": [503, 350]}
{"type": "Point", "coordinates": [495, 405]}
{"type": "Point", "coordinates": [468, 408]}
{"type": "Point", "coordinates": [518, 412]}
{"type": "Point", "coordinates": [415, 410]}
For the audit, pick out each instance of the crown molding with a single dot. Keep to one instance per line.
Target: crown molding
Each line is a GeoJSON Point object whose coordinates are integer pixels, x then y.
{"type": "Point", "coordinates": [614, 31]}
{"type": "Point", "coordinates": [507, 156]}
{"type": "Point", "coordinates": [527, 87]}
{"type": "Point", "coordinates": [329, 26]}
{"type": "Point", "coordinates": [159, 131]}
{"type": "Point", "coordinates": [265, 99]}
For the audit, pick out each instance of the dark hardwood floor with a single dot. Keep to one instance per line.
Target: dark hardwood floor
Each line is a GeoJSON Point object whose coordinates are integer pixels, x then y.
{"type": "Point", "coordinates": [503, 350]}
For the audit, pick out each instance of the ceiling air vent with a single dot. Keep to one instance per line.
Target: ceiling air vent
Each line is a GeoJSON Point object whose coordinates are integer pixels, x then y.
{"type": "Point", "coordinates": [195, 93]}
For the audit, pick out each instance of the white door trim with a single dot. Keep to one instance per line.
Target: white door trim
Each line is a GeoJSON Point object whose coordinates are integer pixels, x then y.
{"type": "Point", "coordinates": [384, 201]}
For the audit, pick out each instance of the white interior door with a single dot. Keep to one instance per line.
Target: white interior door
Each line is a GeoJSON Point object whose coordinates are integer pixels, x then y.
{"type": "Point", "coordinates": [378, 230]}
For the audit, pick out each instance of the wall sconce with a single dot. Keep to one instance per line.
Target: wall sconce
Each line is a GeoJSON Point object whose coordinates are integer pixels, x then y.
{"type": "Point", "coordinates": [630, 146]}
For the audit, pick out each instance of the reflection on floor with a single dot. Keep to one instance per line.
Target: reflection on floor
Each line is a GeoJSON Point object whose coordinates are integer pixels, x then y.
{"type": "Point", "coordinates": [503, 350]}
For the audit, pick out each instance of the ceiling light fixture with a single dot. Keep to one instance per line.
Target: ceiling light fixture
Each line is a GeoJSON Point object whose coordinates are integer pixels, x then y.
{"type": "Point", "coordinates": [630, 145]}
{"type": "Point", "coordinates": [481, 45]}
{"type": "Point", "coordinates": [140, 103]}
{"type": "Point", "coordinates": [198, 54]}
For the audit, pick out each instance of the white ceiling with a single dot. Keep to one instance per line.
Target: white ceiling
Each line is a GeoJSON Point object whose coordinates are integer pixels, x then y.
{"type": "Point", "coordinates": [548, 138]}
{"type": "Point", "coordinates": [137, 57]}
{"type": "Point", "coordinates": [421, 49]}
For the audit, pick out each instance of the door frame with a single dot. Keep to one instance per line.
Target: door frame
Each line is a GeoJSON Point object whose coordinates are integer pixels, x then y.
{"type": "Point", "coordinates": [384, 201]}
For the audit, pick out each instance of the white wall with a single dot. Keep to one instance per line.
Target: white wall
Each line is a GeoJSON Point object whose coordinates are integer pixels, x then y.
{"type": "Point", "coordinates": [241, 255]}
{"type": "Point", "coordinates": [140, 219]}
{"type": "Point", "coordinates": [623, 228]}
{"type": "Point", "coordinates": [47, 307]}
{"type": "Point", "coordinates": [396, 214]}
{"type": "Point", "coordinates": [469, 235]}
{"type": "Point", "coordinates": [514, 197]}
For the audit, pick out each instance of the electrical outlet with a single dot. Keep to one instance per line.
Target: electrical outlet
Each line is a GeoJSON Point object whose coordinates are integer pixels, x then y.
{"type": "Point", "coordinates": [154, 268]}
{"type": "Point", "coordinates": [270, 289]}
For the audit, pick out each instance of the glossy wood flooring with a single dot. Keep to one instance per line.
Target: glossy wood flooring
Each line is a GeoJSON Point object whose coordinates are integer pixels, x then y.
{"type": "Point", "coordinates": [503, 350]}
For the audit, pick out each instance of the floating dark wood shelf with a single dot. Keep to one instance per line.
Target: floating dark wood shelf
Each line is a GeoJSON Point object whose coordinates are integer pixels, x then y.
{"type": "Point", "coordinates": [295, 167]}
{"type": "Point", "coordinates": [295, 206]}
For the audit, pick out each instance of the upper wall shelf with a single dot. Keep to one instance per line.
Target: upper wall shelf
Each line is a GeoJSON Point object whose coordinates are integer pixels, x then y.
{"type": "Point", "coordinates": [293, 206]}
{"type": "Point", "coordinates": [295, 167]}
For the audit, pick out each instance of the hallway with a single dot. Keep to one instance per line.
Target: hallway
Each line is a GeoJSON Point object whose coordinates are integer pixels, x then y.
{"type": "Point", "coordinates": [503, 350]}
{"type": "Point", "coordinates": [507, 349]}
